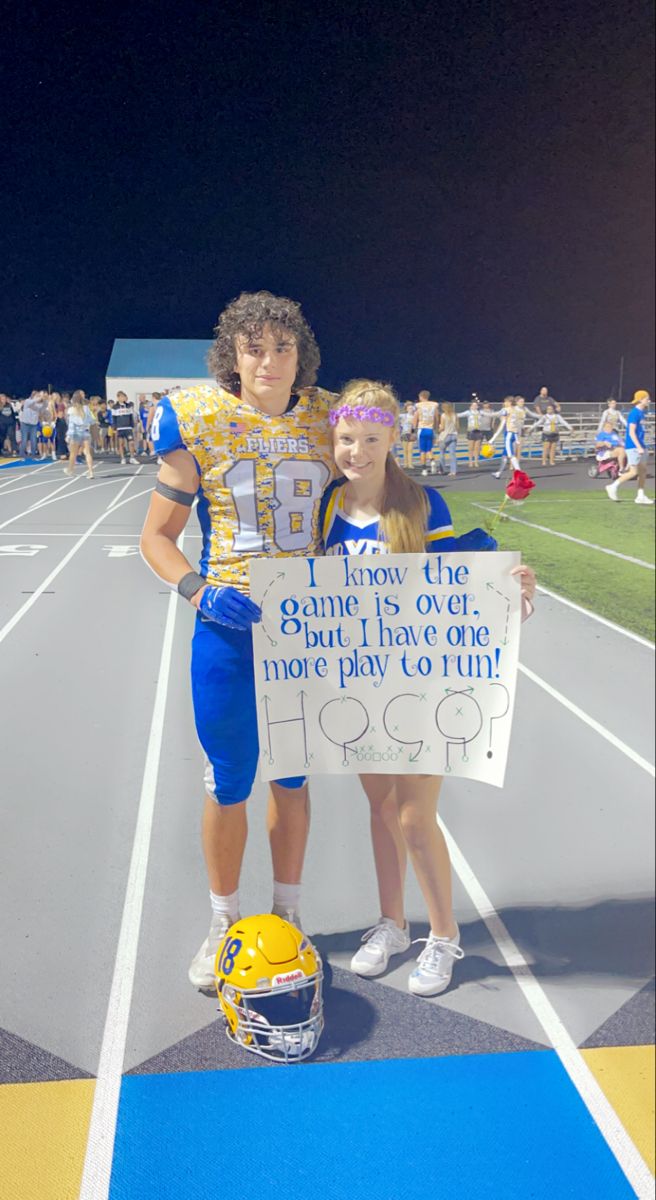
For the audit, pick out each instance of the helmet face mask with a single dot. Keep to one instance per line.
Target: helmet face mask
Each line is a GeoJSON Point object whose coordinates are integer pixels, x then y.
{"type": "Point", "coordinates": [268, 980]}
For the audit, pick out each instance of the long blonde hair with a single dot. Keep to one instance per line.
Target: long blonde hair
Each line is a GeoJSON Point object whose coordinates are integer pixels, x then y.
{"type": "Point", "coordinates": [404, 509]}
{"type": "Point", "coordinates": [78, 402]}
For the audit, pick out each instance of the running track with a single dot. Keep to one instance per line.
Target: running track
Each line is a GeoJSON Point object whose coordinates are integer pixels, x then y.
{"type": "Point", "coordinates": [528, 1078]}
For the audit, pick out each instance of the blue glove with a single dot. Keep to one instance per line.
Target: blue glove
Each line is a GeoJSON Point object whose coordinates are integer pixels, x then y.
{"type": "Point", "coordinates": [227, 606]}
{"type": "Point", "coordinates": [476, 539]}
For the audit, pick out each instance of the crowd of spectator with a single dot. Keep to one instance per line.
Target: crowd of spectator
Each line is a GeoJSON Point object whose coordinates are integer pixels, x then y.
{"type": "Point", "coordinates": [42, 426]}
{"type": "Point", "coordinates": [58, 425]}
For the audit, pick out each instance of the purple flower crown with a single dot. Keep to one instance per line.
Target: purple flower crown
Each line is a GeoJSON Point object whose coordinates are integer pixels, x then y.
{"type": "Point", "coordinates": [361, 413]}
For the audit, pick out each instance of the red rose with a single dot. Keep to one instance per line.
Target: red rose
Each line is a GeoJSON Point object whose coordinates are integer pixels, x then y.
{"type": "Point", "coordinates": [519, 486]}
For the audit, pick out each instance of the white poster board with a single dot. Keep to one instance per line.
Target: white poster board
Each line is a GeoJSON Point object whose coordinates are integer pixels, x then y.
{"type": "Point", "coordinates": [400, 663]}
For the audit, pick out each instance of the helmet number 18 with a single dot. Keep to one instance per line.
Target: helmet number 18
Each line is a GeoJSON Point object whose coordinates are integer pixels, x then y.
{"type": "Point", "coordinates": [228, 955]}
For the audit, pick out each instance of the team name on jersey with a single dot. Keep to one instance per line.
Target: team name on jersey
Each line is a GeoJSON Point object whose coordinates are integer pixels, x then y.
{"type": "Point", "coordinates": [277, 445]}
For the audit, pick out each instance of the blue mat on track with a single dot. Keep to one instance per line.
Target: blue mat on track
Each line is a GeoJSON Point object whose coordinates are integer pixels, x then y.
{"type": "Point", "coordinates": [493, 1127]}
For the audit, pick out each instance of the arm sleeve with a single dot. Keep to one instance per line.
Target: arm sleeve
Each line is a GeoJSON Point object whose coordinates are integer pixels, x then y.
{"type": "Point", "coordinates": [165, 430]}
{"type": "Point", "coordinates": [439, 531]}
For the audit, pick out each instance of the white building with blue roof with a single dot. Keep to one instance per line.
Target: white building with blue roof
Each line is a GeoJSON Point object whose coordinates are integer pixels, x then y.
{"type": "Point", "coordinates": [141, 366]}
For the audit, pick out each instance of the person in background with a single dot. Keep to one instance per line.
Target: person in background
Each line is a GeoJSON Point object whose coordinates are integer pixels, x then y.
{"type": "Point", "coordinates": [611, 419]}
{"type": "Point", "coordinates": [608, 445]}
{"type": "Point", "coordinates": [31, 412]}
{"type": "Point", "coordinates": [511, 422]}
{"type": "Point", "coordinates": [374, 506]}
{"type": "Point", "coordinates": [407, 422]}
{"type": "Point", "coordinates": [123, 424]}
{"type": "Point", "coordinates": [96, 438]}
{"type": "Point", "coordinates": [550, 423]}
{"type": "Point", "coordinates": [542, 400]}
{"type": "Point", "coordinates": [103, 426]}
{"type": "Point", "coordinates": [47, 429]}
{"type": "Point", "coordinates": [448, 439]}
{"type": "Point", "coordinates": [521, 413]}
{"type": "Point", "coordinates": [427, 415]}
{"type": "Point", "coordinates": [145, 406]}
{"type": "Point", "coordinates": [7, 426]}
{"type": "Point", "coordinates": [636, 451]}
{"type": "Point", "coordinates": [61, 426]}
{"type": "Point", "coordinates": [472, 416]}
{"type": "Point", "coordinates": [157, 396]}
{"type": "Point", "coordinates": [80, 420]}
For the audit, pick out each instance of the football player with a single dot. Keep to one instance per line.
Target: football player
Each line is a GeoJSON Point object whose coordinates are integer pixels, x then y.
{"type": "Point", "coordinates": [255, 452]}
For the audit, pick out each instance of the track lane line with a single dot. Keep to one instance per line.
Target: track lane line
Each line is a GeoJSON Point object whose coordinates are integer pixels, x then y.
{"type": "Point", "coordinates": [99, 1155]}
{"type": "Point", "coordinates": [641, 762]}
{"type": "Point", "coordinates": [601, 1110]}
{"type": "Point", "coordinates": [54, 497]}
{"type": "Point", "coordinates": [587, 612]}
{"type": "Point", "coordinates": [639, 562]}
{"type": "Point", "coordinates": [13, 621]}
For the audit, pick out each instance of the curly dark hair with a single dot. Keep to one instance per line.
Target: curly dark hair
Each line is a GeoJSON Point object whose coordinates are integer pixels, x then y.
{"type": "Point", "coordinates": [248, 314]}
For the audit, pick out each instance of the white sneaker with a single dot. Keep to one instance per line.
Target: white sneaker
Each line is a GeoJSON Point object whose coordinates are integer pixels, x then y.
{"type": "Point", "coordinates": [291, 915]}
{"type": "Point", "coordinates": [380, 942]}
{"type": "Point", "coordinates": [134, 461]}
{"type": "Point", "coordinates": [424, 472]}
{"type": "Point", "coordinates": [432, 974]}
{"type": "Point", "coordinates": [496, 474]}
{"type": "Point", "coordinates": [68, 471]}
{"type": "Point", "coordinates": [643, 500]}
{"type": "Point", "coordinates": [611, 491]}
{"type": "Point", "coordinates": [201, 971]}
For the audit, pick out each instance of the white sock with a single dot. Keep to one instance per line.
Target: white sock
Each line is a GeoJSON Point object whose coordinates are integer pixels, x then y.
{"type": "Point", "coordinates": [641, 491]}
{"type": "Point", "coordinates": [225, 906]}
{"type": "Point", "coordinates": [286, 895]}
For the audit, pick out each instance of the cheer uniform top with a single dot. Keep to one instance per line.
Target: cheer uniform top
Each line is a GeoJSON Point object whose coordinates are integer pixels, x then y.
{"type": "Point", "coordinates": [549, 425]}
{"type": "Point", "coordinates": [613, 418]}
{"type": "Point", "coordinates": [343, 534]}
{"type": "Point", "coordinates": [474, 426]}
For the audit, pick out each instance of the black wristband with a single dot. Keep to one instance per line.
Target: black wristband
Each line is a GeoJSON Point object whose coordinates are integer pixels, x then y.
{"type": "Point", "coordinates": [190, 583]}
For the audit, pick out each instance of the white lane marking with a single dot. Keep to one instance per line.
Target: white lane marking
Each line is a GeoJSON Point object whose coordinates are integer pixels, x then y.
{"type": "Point", "coordinates": [81, 474]}
{"type": "Point", "coordinates": [43, 502]}
{"type": "Point", "coordinates": [15, 479]}
{"type": "Point", "coordinates": [587, 612]}
{"type": "Point", "coordinates": [13, 621]}
{"type": "Point", "coordinates": [102, 1128]}
{"type": "Point", "coordinates": [54, 498]}
{"type": "Point", "coordinates": [136, 534]}
{"type": "Point", "coordinates": [639, 562]}
{"type": "Point", "coordinates": [588, 720]}
{"type": "Point", "coordinates": [600, 1109]}
{"type": "Point", "coordinates": [146, 492]}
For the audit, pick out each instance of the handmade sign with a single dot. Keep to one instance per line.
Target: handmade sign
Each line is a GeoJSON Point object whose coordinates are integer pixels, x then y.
{"type": "Point", "coordinates": [399, 663]}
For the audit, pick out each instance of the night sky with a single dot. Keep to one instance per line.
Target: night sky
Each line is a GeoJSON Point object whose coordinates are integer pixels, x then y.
{"type": "Point", "coordinates": [459, 194]}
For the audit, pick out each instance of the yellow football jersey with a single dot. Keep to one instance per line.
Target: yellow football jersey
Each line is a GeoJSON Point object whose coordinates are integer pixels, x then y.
{"type": "Point", "coordinates": [261, 477]}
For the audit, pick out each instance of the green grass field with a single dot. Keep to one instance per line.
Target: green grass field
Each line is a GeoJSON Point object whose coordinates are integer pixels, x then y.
{"type": "Point", "coordinates": [621, 591]}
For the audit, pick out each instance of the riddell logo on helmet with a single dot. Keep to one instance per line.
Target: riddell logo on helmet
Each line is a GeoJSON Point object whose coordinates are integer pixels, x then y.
{"type": "Point", "coordinates": [290, 977]}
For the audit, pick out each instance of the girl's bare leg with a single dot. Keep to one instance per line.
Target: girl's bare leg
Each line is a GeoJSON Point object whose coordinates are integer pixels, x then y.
{"type": "Point", "coordinates": [388, 844]}
{"type": "Point", "coordinates": [417, 797]}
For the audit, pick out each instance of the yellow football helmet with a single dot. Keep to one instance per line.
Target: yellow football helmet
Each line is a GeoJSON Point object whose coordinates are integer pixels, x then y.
{"type": "Point", "coordinates": [268, 980]}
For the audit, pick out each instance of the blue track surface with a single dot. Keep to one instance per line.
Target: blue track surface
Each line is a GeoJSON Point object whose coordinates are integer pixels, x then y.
{"type": "Point", "coordinates": [502, 1125]}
